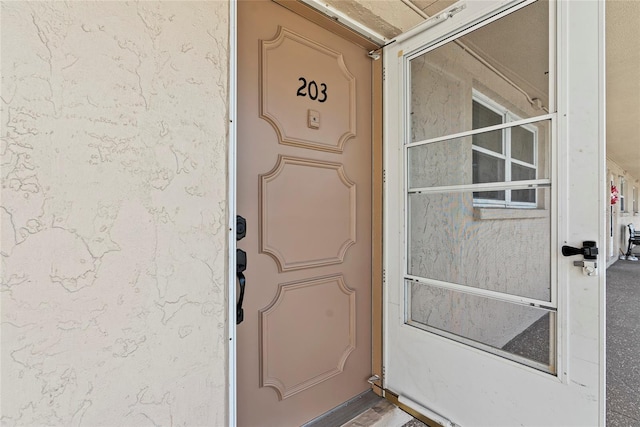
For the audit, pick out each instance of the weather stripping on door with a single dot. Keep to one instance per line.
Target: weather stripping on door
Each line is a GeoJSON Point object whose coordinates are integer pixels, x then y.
{"type": "Point", "coordinates": [590, 252]}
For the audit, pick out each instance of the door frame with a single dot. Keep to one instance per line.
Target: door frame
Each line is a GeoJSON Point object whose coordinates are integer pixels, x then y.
{"type": "Point", "coordinates": [232, 211]}
{"type": "Point", "coordinates": [337, 23]}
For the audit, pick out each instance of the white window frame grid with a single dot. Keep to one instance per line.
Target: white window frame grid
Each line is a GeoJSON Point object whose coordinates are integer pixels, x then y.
{"type": "Point", "coordinates": [507, 117]}
{"type": "Point", "coordinates": [634, 195]}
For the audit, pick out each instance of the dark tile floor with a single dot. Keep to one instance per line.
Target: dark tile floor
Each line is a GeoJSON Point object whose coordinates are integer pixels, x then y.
{"type": "Point", "coordinates": [623, 344]}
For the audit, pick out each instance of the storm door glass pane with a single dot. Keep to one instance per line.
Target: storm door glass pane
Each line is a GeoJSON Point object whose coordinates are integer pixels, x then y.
{"type": "Point", "coordinates": [450, 240]}
{"type": "Point", "coordinates": [478, 240]}
{"type": "Point", "coordinates": [490, 195]}
{"type": "Point", "coordinates": [460, 161]}
{"type": "Point", "coordinates": [522, 144]}
{"type": "Point", "coordinates": [508, 329]}
{"type": "Point", "coordinates": [483, 116]}
{"type": "Point", "coordinates": [522, 173]}
{"type": "Point", "coordinates": [523, 196]}
{"type": "Point", "coordinates": [443, 79]}
{"type": "Point", "coordinates": [487, 168]}
{"type": "Point", "coordinates": [489, 140]}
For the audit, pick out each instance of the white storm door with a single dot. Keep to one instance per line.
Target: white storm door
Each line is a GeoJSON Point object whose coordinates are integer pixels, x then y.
{"type": "Point", "coordinates": [495, 160]}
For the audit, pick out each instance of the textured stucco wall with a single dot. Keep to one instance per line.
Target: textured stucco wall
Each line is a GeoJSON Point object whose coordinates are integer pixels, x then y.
{"type": "Point", "coordinates": [113, 142]}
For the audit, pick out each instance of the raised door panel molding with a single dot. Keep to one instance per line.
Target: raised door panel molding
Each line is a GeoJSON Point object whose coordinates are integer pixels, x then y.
{"type": "Point", "coordinates": [307, 92]}
{"type": "Point", "coordinates": [306, 334]}
{"type": "Point", "coordinates": [307, 213]}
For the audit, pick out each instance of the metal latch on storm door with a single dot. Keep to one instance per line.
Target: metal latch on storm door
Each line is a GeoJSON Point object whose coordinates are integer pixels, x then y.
{"type": "Point", "coordinates": [590, 252]}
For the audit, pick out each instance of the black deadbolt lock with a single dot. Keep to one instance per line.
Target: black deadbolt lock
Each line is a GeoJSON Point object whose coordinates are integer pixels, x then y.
{"type": "Point", "coordinates": [241, 227]}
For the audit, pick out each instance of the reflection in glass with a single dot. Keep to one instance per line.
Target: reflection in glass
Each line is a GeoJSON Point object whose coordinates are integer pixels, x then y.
{"type": "Point", "coordinates": [487, 168]}
{"type": "Point", "coordinates": [491, 141]}
{"type": "Point", "coordinates": [468, 160]}
{"type": "Point", "coordinates": [522, 173]}
{"type": "Point", "coordinates": [502, 60]}
{"type": "Point", "coordinates": [522, 144]}
{"type": "Point", "coordinates": [508, 328]}
{"type": "Point", "coordinates": [523, 196]}
{"type": "Point", "coordinates": [481, 237]}
{"type": "Point", "coordinates": [450, 240]}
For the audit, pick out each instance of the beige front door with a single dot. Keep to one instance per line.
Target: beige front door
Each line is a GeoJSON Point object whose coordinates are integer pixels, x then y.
{"type": "Point", "coordinates": [304, 187]}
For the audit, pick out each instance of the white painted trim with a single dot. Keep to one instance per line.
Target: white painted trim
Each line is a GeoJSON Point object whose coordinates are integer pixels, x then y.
{"type": "Point", "coordinates": [605, 192]}
{"type": "Point", "coordinates": [472, 132]}
{"type": "Point", "coordinates": [432, 21]}
{"type": "Point", "coordinates": [559, 202]}
{"type": "Point", "coordinates": [347, 21]}
{"type": "Point", "coordinates": [511, 185]}
{"type": "Point", "coordinates": [231, 206]}
{"type": "Point", "coordinates": [552, 151]}
{"type": "Point", "coordinates": [553, 57]}
{"type": "Point", "coordinates": [480, 292]}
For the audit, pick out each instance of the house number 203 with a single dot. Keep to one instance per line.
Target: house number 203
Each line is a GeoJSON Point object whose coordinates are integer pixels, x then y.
{"type": "Point", "coordinates": [311, 90]}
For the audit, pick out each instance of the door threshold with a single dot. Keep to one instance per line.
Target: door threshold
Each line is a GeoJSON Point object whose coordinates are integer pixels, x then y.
{"type": "Point", "coordinates": [384, 414]}
{"type": "Point", "coordinates": [346, 411]}
{"type": "Point", "coordinates": [366, 410]}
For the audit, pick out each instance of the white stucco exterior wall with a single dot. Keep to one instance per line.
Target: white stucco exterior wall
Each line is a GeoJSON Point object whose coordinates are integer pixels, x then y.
{"type": "Point", "coordinates": [114, 197]}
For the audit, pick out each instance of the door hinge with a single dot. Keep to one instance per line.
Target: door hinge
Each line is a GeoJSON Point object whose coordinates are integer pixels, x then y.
{"type": "Point", "coordinates": [384, 276]}
{"type": "Point", "coordinates": [374, 54]}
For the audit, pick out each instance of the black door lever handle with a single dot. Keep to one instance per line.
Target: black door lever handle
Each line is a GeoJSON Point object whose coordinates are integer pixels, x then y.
{"type": "Point", "coordinates": [241, 266]}
{"type": "Point", "coordinates": [588, 249]}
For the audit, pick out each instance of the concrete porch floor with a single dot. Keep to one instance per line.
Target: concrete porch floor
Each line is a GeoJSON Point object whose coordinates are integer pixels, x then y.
{"type": "Point", "coordinates": [623, 358]}
{"type": "Point", "coordinates": [384, 414]}
{"type": "Point", "coordinates": [623, 344]}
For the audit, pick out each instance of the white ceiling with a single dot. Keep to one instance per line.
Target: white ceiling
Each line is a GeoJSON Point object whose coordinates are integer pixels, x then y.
{"type": "Point", "coordinates": [392, 17]}
{"type": "Point", "coordinates": [623, 84]}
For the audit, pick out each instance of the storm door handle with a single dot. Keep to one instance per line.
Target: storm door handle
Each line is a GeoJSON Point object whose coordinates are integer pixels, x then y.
{"type": "Point", "coordinates": [589, 250]}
